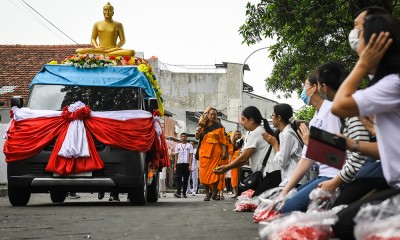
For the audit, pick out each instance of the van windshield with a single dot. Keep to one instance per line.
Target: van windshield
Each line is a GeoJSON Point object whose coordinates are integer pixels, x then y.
{"type": "Point", "coordinates": [56, 97]}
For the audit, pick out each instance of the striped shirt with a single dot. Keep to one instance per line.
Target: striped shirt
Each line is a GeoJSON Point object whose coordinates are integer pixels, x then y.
{"type": "Point", "coordinates": [354, 129]}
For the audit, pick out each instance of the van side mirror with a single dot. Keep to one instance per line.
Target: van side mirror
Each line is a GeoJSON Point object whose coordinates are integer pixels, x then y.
{"type": "Point", "coordinates": [17, 101]}
{"type": "Point", "coordinates": [152, 104]}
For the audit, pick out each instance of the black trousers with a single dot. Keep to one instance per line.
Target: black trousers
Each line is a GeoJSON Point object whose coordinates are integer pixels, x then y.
{"type": "Point", "coordinates": [228, 184]}
{"type": "Point", "coordinates": [357, 189]}
{"type": "Point", "coordinates": [182, 172]}
{"type": "Point", "coordinates": [271, 180]}
{"type": "Point", "coordinates": [344, 228]}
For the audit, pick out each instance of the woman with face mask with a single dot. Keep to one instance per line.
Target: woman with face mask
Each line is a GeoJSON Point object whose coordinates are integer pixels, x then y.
{"type": "Point", "coordinates": [322, 119]}
{"type": "Point", "coordinates": [379, 51]}
{"type": "Point", "coordinates": [330, 77]}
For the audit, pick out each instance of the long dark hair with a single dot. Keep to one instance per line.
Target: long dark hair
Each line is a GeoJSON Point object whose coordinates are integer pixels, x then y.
{"type": "Point", "coordinates": [285, 111]}
{"type": "Point", "coordinates": [253, 112]}
{"type": "Point", "coordinates": [390, 62]}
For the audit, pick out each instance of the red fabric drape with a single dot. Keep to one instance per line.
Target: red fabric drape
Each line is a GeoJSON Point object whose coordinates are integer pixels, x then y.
{"type": "Point", "coordinates": [28, 137]}
{"type": "Point", "coordinates": [65, 166]}
{"type": "Point", "coordinates": [134, 134]}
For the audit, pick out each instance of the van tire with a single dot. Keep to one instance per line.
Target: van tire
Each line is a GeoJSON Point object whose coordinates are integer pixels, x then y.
{"type": "Point", "coordinates": [138, 196]}
{"type": "Point", "coordinates": [58, 196]}
{"type": "Point", "coordinates": [18, 196]}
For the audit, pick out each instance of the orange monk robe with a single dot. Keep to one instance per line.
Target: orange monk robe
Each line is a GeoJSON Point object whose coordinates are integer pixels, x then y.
{"type": "Point", "coordinates": [234, 171]}
{"type": "Point", "coordinates": [222, 184]}
{"type": "Point", "coordinates": [210, 155]}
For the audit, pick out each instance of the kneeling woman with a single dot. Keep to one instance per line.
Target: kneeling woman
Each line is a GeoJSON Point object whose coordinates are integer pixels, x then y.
{"type": "Point", "coordinates": [255, 150]}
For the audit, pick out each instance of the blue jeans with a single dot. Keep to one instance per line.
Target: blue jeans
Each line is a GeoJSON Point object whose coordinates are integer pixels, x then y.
{"type": "Point", "coordinates": [300, 200]}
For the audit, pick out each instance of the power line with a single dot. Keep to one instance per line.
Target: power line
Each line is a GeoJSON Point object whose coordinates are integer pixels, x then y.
{"type": "Point", "coordinates": [50, 22]}
{"type": "Point", "coordinates": [25, 8]}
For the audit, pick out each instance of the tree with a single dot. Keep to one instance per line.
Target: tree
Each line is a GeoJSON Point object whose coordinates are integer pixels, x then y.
{"type": "Point", "coordinates": [305, 113]}
{"type": "Point", "coordinates": [307, 33]}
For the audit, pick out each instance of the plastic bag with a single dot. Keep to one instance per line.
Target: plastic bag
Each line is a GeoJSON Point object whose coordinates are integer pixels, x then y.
{"type": "Point", "coordinates": [299, 226]}
{"type": "Point", "coordinates": [267, 210]}
{"type": "Point", "coordinates": [321, 199]}
{"type": "Point", "coordinates": [245, 202]}
{"type": "Point", "coordinates": [270, 204]}
{"type": "Point", "coordinates": [379, 221]}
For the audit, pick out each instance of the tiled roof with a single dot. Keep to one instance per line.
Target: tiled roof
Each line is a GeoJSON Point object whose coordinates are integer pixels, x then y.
{"type": "Point", "coordinates": [20, 63]}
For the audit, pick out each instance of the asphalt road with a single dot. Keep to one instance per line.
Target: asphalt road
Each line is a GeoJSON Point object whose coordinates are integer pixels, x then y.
{"type": "Point", "coordinates": [88, 217]}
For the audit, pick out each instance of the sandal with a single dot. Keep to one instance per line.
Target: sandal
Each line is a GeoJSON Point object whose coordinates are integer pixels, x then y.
{"type": "Point", "coordinates": [222, 198]}
{"type": "Point", "coordinates": [207, 198]}
{"type": "Point", "coordinates": [215, 197]}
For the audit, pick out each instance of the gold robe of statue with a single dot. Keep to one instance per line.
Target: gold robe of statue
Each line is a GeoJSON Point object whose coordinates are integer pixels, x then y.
{"type": "Point", "coordinates": [108, 32]}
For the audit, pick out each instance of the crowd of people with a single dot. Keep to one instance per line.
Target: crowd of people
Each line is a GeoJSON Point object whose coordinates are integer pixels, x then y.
{"type": "Point", "coordinates": [366, 118]}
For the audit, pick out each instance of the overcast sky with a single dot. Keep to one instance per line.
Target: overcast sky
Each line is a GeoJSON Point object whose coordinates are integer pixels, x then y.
{"type": "Point", "coordinates": [176, 31]}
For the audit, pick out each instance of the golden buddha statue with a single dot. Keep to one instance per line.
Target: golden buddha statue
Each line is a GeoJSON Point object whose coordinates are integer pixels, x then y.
{"type": "Point", "coordinates": [108, 31]}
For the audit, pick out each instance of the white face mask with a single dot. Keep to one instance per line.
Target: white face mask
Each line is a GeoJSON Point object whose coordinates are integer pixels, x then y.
{"type": "Point", "coordinates": [353, 39]}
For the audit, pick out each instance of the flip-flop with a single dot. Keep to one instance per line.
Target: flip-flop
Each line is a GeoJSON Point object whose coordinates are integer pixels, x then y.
{"type": "Point", "coordinates": [207, 198]}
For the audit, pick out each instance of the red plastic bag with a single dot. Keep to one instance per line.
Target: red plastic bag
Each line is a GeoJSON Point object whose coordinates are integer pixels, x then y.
{"type": "Point", "coordinates": [299, 226]}
{"type": "Point", "coordinates": [245, 202]}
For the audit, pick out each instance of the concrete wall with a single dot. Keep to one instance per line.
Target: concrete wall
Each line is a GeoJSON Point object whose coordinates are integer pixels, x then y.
{"type": "Point", "coordinates": [4, 115]}
{"type": "Point", "coordinates": [263, 104]}
{"type": "Point", "coordinates": [194, 91]}
{"type": "Point", "coordinates": [3, 165]}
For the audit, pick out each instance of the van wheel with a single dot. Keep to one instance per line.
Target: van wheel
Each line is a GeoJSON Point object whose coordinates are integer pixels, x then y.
{"type": "Point", "coordinates": [18, 196]}
{"type": "Point", "coordinates": [58, 196]}
{"type": "Point", "coordinates": [138, 196]}
{"type": "Point", "coordinates": [152, 189]}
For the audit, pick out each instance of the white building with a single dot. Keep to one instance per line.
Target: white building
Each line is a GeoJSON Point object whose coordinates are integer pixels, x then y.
{"type": "Point", "coordinates": [187, 93]}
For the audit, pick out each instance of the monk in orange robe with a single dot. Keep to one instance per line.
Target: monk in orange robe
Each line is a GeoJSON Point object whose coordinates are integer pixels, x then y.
{"type": "Point", "coordinates": [222, 182]}
{"type": "Point", "coordinates": [212, 148]}
{"type": "Point", "coordinates": [234, 172]}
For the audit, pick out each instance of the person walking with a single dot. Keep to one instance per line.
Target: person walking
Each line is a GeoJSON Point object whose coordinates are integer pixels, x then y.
{"type": "Point", "coordinates": [194, 173]}
{"type": "Point", "coordinates": [237, 145]}
{"type": "Point", "coordinates": [182, 165]}
{"type": "Point", "coordinates": [212, 148]}
{"type": "Point", "coordinates": [162, 182]}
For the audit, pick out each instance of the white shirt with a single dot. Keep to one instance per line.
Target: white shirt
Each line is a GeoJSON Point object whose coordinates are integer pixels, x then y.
{"type": "Point", "coordinates": [255, 140]}
{"type": "Point", "coordinates": [195, 162]}
{"type": "Point", "coordinates": [183, 151]}
{"type": "Point", "coordinates": [383, 100]}
{"type": "Point", "coordinates": [324, 119]}
{"type": "Point", "coordinates": [289, 154]}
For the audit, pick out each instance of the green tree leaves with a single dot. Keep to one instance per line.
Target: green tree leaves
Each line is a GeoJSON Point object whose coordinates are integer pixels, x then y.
{"type": "Point", "coordinates": [308, 33]}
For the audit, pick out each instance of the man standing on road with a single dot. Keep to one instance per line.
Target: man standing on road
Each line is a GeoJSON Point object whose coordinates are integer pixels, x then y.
{"type": "Point", "coordinates": [183, 164]}
{"type": "Point", "coordinates": [194, 173]}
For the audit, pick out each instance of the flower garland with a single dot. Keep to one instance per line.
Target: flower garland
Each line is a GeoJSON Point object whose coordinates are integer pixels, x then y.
{"type": "Point", "coordinates": [87, 61]}
{"type": "Point", "coordinates": [100, 60]}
